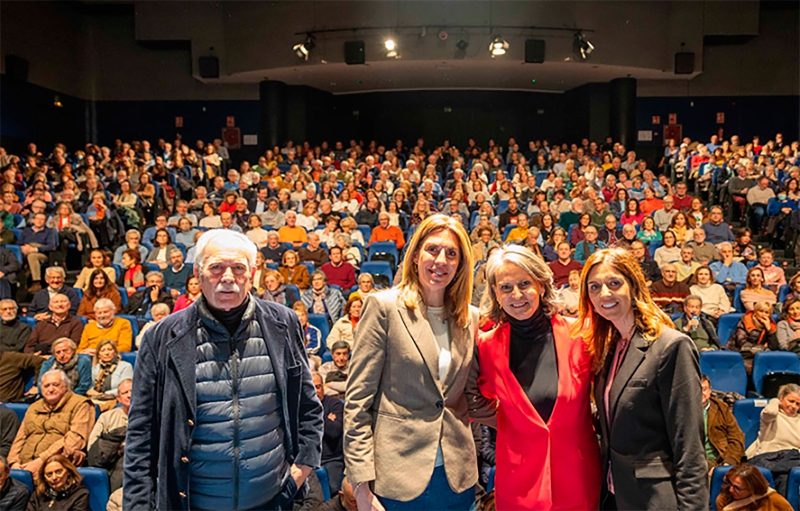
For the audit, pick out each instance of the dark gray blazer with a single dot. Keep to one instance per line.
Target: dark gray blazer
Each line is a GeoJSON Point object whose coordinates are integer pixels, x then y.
{"type": "Point", "coordinates": [654, 438]}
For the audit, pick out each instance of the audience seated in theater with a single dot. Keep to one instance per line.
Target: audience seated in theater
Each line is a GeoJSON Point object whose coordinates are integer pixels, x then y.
{"type": "Point", "coordinates": [332, 450]}
{"type": "Point", "coordinates": [724, 439]}
{"type": "Point", "coordinates": [755, 291]}
{"type": "Point", "coordinates": [140, 302]}
{"type": "Point", "coordinates": [339, 272]}
{"type": "Point", "coordinates": [694, 323]}
{"type": "Point", "coordinates": [743, 250]}
{"type": "Point", "coordinates": [755, 332]}
{"type": "Point", "coordinates": [274, 250]}
{"type": "Point", "coordinates": [484, 243]}
{"type": "Point", "coordinates": [293, 272]}
{"type": "Point", "coordinates": [648, 233]}
{"type": "Point", "coordinates": [59, 323]}
{"type": "Point", "coordinates": [343, 328]}
{"type": "Point", "coordinates": [745, 487]}
{"type": "Point", "coordinates": [715, 300]}
{"type": "Point", "coordinates": [350, 254]}
{"type": "Point", "coordinates": [322, 299]}
{"type": "Point", "coordinates": [108, 370]}
{"type": "Point", "coordinates": [569, 295]}
{"type": "Point", "coordinates": [100, 287]}
{"type": "Point", "coordinates": [727, 272]}
{"type": "Point", "coordinates": [314, 252]}
{"type": "Point", "coordinates": [589, 245]}
{"type": "Point", "coordinates": [106, 326]}
{"type": "Point", "coordinates": [162, 247]}
{"type": "Point", "coordinates": [133, 275]}
{"type": "Point", "coordinates": [106, 442]}
{"type": "Point", "coordinates": [774, 276]}
{"type": "Point", "coordinates": [686, 265]}
{"type": "Point", "coordinates": [158, 311]}
{"type": "Point", "coordinates": [59, 423]}
{"type": "Point", "coordinates": [190, 295]}
{"type": "Point", "coordinates": [669, 252]}
{"type": "Point", "coordinates": [780, 424]}
{"type": "Point", "coordinates": [291, 232]}
{"type": "Point", "coordinates": [14, 334]}
{"type": "Point", "coordinates": [649, 267]}
{"type": "Point", "coordinates": [36, 242]}
{"type": "Point", "coordinates": [669, 293]}
{"type": "Point", "coordinates": [14, 495]}
{"type": "Point", "coordinates": [187, 233]}
{"type": "Point", "coordinates": [97, 261]}
{"type": "Point", "coordinates": [276, 291]}
{"type": "Point", "coordinates": [336, 371]}
{"type": "Point", "coordinates": [132, 241]}
{"type": "Point", "coordinates": [149, 235]}
{"type": "Point", "coordinates": [54, 276]}
{"type": "Point", "coordinates": [59, 486]}
{"type": "Point", "coordinates": [65, 358]}
{"type": "Point", "coordinates": [789, 326]}
{"type": "Point", "coordinates": [704, 252]}
{"type": "Point", "coordinates": [176, 273]}
{"type": "Point", "coordinates": [311, 334]}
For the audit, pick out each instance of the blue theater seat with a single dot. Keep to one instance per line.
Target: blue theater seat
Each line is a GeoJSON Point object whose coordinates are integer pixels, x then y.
{"type": "Point", "coordinates": [748, 416]}
{"type": "Point", "coordinates": [725, 369]}
{"type": "Point", "coordinates": [766, 362]}
{"type": "Point", "coordinates": [322, 475]}
{"type": "Point", "coordinates": [24, 477]}
{"type": "Point", "coordinates": [96, 481]}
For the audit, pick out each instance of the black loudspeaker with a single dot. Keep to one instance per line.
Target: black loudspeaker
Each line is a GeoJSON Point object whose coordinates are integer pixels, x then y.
{"type": "Point", "coordinates": [17, 68]}
{"type": "Point", "coordinates": [684, 63]}
{"type": "Point", "coordinates": [534, 51]}
{"type": "Point", "coordinates": [209, 66]}
{"type": "Point", "coordinates": [354, 52]}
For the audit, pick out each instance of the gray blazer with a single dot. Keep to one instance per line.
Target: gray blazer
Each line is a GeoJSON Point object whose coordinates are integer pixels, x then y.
{"type": "Point", "coordinates": [655, 437]}
{"type": "Point", "coordinates": [398, 410]}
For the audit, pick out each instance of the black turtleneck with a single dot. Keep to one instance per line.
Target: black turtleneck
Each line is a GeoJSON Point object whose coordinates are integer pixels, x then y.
{"type": "Point", "coordinates": [532, 360]}
{"type": "Point", "coordinates": [232, 318]}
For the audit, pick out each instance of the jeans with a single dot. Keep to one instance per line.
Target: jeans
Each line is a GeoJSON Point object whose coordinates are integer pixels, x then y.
{"type": "Point", "coordinates": [438, 495]}
{"type": "Point", "coordinates": [758, 212]}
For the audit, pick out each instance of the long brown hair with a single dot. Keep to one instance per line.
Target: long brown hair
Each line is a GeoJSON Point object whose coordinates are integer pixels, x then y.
{"type": "Point", "coordinates": [752, 478]}
{"type": "Point", "coordinates": [91, 292]}
{"type": "Point", "coordinates": [73, 478]}
{"type": "Point", "coordinates": [458, 294]}
{"type": "Point", "coordinates": [599, 333]}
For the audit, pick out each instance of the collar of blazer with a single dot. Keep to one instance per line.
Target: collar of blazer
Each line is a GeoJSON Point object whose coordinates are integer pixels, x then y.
{"type": "Point", "coordinates": [419, 329]}
{"type": "Point", "coordinates": [637, 350]}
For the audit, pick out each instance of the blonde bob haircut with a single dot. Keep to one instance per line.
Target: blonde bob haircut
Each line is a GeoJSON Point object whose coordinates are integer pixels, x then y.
{"type": "Point", "coordinates": [458, 294]}
{"type": "Point", "coordinates": [598, 333]}
{"type": "Point", "coordinates": [531, 264]}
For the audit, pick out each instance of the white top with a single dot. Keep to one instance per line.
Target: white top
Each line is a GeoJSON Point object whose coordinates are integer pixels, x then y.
{"type": "Point", "coordinates": [436, 318]}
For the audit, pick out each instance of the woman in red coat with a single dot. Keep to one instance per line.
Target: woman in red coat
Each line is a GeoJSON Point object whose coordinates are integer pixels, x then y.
{"type": "Point", "coordinates": [547, 450]}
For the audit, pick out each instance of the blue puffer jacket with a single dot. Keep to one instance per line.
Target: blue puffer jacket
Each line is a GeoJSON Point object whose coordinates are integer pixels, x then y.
{"type": "Point", "coordinates": [164, 405]}
{"type": "Point", "coordinates": [238, 459]}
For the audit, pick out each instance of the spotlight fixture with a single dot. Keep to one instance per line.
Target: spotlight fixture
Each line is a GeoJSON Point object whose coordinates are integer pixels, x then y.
{"type": "Point", "coordinates": [583, 46]}
{"type": "Point", "coordinates": [303, 49]}
{"type": "Point", "coordinates": [391, 48]}
{"type": "Point", "coordinates": [462, 45]}
{"type": "Point", "coordinates": [498, 46]}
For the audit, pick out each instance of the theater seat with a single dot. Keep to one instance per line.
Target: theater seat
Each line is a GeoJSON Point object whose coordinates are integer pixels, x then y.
{"type": "Point", "coordinates": [129, 357]}
{"type": "Point", "coordinates": [793, 488]}
{"type": "Point", "coordinates": [725, 369]}
{"type": "Point", "coordinates": [24, 477]}
{"type": "Point", "coordinates": [18, 408]}
{"type": "Point", "coordinates": [96, 481]}
{"type": "Point", "coordinates": [727, 325]}
{"type": "Point", "coordinates": [748, 416]}
{"type": "Point", "coordinates": [322, 475]}
{"type": "Point", "coordinates": [766, 362]}
{"type": "Point", "coordinates": [718, 476]}
{"type": "Point", "coordinates": [134, 324]}
{"type": "Point", "coordinates": [321, 322]}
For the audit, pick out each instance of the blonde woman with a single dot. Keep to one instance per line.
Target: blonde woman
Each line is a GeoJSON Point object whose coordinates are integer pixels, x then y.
{"type": "Point", "coordinates": [406, 407]}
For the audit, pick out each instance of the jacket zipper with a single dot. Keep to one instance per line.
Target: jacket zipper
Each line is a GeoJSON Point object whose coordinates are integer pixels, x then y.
{"type": "Point", "coordinates": [235, 384]}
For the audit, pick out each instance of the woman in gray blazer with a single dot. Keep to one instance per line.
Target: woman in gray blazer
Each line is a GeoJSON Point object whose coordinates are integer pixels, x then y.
{"type": "Point", "coordinates": [408, 443]}
{"type": "Point", "coordinates": [647, 391]}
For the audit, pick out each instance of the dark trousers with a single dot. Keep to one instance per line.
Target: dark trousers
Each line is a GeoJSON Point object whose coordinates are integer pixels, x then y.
{"type": "Point", "coordinates": [780, 463]}
{"type": "Point", "coordinates": [438, 495]}
{"type": "Point", "coordinates": [335, 470]}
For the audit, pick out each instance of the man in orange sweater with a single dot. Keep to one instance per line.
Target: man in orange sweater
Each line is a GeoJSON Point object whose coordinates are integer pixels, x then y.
{"type": "Point", "coordinates": [386, 232]}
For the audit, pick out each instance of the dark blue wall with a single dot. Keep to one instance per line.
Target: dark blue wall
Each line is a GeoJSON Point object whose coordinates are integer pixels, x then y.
{"type": "Point", "coordinates": [27, 114]}
{"type": "Point", "coordinates": [744, 116]}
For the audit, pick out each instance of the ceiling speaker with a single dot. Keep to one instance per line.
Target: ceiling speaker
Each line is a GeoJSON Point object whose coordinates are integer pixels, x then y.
{"type": "Point", "coordinates": [354, 52]}
{"type": "Point", "coordinates": [534, 51]}
{"type": "Point", "coordinates": [684, 63]}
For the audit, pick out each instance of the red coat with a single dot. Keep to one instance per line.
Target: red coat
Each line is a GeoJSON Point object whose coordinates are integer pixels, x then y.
{"type": "Point", "coordinates": [542, 466]}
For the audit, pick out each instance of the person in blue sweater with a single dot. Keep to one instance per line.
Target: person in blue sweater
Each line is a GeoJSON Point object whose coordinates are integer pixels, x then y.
{"type": "Point", "coordinates": [779, 209]}
{"type": "Point", "coordinates": [716, 229]}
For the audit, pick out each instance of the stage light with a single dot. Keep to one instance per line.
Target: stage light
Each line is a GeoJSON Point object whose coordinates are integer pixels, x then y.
{"type": "Point", "coordinates": [498, 46]}
{"type": "Point", "coordinates": [303, 49]}
{"type": "Point", "coordinates": [391, 48]}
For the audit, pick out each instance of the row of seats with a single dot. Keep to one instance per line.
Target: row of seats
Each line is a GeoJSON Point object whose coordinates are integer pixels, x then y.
{"type": "Point", "coordinates": [718, 477]}
{"type": "Point", "coordinates": [726, 369]}
{"type": "Point", "coordinates": [96, 481]}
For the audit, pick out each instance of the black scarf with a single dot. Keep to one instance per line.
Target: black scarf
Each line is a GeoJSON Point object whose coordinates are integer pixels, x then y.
{"type": "Point", "coordinates": [70, 368]}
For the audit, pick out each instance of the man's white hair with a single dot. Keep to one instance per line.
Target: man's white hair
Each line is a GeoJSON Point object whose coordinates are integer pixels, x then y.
{"type": "Point", "coordinates": [61, 374]}
{"type": "Point", "coordinates": [104, 302]}
{"type": "Point", "coordinates": [224, 238]}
